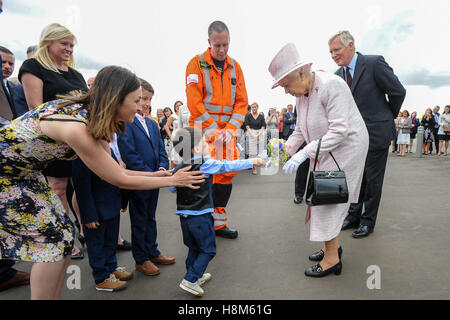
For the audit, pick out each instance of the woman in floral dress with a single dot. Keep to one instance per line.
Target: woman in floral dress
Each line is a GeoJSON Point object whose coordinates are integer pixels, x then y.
{"type": "Point", "coordinates": [33, 224]}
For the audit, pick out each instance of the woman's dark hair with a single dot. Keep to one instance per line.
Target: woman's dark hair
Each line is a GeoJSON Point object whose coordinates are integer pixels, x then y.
{"type": "Point", "coordinates": [112, 84]}
{"type": "Point", "coordinates": [167, 109]}
{"type": "Point", "coordinates": [175, 105]}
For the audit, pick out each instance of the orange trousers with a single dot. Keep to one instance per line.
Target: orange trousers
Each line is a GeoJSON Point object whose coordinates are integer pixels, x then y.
{"type": "Point", "coordinates": [222, 183]}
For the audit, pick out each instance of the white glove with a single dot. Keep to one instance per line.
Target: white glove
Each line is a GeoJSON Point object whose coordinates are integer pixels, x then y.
{"type": "Point", "coordinates": [297, 159]}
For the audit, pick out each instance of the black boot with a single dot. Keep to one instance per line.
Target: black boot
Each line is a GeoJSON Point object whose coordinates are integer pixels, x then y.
{"type": "Point", "coordinates": [226, 232]}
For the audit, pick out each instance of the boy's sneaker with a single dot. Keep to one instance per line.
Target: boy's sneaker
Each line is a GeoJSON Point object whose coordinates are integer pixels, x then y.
{"type": "Point", "coordinates": [193, 288]}
{"type": "Point", "coordinates": [111, 284]}
{"type": "Point", "coordinates": [205, 278]}
{"type": "Point", "coordinates": [122, 274]}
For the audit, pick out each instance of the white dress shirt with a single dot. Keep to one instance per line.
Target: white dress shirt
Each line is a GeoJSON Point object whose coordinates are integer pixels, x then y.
{"type": "Point", "coordinates": [142, 121]}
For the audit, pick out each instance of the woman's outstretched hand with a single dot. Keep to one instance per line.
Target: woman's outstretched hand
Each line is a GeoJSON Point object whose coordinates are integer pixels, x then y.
{"type": "Point", "coordinates": [186, 178]}
{"type": "Point", "coordinates": [161, 173]}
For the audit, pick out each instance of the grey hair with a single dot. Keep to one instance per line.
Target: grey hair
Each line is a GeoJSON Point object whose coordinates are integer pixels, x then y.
{"type": "Point", "coordinates": [32, 49]}
{"type": "Point", "coordinates": [346, 38]}
{"type": "Point", "coordinates": [302, 71]}
{"type": "Point", "coordinates": [218, 27]}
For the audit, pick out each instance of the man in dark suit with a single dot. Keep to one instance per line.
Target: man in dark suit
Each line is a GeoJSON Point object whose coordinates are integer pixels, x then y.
{"type": "Point", "coordinates": [289, 121]}
{"type": "Point", "coordinates": [7, 109]}
{"type": "Point", "coordinates": [370, 79]}
{"type": "Point", "coordinates": [142, 149]}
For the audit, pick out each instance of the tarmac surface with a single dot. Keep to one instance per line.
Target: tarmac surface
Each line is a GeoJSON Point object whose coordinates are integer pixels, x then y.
{"type": "Point", "coordinates": [407, 256]}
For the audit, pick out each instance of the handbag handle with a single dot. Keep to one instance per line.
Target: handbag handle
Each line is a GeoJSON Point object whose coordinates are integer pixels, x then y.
{"type": "Point", "coordinates": [317, 155]}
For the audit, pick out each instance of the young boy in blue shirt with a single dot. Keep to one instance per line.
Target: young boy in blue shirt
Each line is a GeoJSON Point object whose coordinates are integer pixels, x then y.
{"type": "Point", "coordinates": [195, 206]}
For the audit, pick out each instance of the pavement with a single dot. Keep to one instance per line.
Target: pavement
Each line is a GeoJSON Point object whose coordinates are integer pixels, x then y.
{"type": "Point", "coordinates": [407, 256]}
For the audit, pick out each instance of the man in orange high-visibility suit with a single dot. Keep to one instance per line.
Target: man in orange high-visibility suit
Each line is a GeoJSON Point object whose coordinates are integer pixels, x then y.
{"type": "Point", "coordinates": [217, 100]}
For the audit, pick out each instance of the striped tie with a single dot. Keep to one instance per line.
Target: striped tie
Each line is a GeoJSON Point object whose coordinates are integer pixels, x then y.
{"type": "Point", "coordinates": [348, 76]}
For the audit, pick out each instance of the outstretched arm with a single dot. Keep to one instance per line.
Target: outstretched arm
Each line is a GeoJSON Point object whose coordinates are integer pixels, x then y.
{"type": "Point", "coordinates": [94, 155]}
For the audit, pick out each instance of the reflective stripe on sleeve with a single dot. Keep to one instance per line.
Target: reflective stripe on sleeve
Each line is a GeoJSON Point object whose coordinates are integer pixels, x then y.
{"type": "Point", "coordinates": [211, 128]}
{"type": "Point", "coordinates": [208, 85]}
{"type": "Point", "coordinates": [236, 123]}
{"type": "Point", "coordinates": [238, 116]}
{"type": "Point", "coordinates": [204, 117]}
{"type": "Point", "coordinates": [233, 87]}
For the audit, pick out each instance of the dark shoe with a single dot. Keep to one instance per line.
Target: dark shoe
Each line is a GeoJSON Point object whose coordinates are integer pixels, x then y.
{"type": "Point", "coordinates": [163, 259]}
{"type": "Point", "coordinates": [20, 278]}
{"type": "Point", "coordinates": [318, 256]}
{"type": "Point", "coordinates": [362, 231]}
{"type": "Point", "coordinates": [298, 199]}
{"type": "Point", "coordinates": [78, 256]}
{"type": "Point", "coordinates": [125, 246]}
{"type": "Point", "coordinates": [317, 272]}
{"type": "Point", "coordinates": [350, 223]}
{"type": "Point", "coordinates": [226, 232]}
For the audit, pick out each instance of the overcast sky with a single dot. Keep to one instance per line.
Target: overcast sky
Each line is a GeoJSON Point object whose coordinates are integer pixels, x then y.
{"type": "Point", "coordinates": [156, 39]}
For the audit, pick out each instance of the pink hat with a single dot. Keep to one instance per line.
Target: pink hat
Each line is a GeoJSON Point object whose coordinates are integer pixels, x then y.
{"type": "Point", "coordinates": [286, 61]}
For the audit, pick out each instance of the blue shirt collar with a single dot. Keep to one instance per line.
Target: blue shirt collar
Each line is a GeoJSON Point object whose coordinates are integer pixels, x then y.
{"type": "Point", "coordinates": [352, 64]}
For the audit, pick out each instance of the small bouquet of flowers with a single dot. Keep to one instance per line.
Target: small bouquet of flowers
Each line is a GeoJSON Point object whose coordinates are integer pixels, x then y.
{"type": "Point", "coordinates": [276, 150]}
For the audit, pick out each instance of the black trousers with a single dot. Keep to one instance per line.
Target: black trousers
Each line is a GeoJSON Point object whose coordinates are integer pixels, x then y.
{"type": "Point", "coordinates": [6, 270]}
{"type": "Point", "coordinates": [436, 140]}
{"type": "Point", "coordinates": [371, 187]}
{"type": "Point", "coordinates": [301, 176]}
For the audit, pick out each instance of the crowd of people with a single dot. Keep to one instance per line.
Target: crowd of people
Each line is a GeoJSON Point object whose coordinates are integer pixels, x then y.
{"type": "Point", "coordinates": [125, 154]}
{"type": "Point", "coordinates": [436, 131]}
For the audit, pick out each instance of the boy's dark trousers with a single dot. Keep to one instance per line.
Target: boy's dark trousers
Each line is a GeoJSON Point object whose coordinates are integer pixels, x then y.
{"type": "Point", "coordinates": [142, 208]}
{"type": "Point", "coordinates": [200, 238]}
{"type": "Point", "coordinates": [101, 246]}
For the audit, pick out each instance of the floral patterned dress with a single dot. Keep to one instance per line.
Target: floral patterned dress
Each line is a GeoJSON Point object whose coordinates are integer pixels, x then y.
{"type": "Point", "coordinates": [33, 223]}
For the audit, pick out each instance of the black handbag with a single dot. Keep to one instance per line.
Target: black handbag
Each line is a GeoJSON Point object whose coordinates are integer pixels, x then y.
{"type": "Point", "coordinates": [326, 187]}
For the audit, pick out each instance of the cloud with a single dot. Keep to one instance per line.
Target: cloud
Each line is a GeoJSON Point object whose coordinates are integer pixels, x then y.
{"type": "Point", "coordinates": [23, 7]}
{"type": "Point", "coordinates": [423, 77]}
{"type": "Point", "coordinates": [83, 61]}
{"type": "Point", "coordinates": [397, 30]}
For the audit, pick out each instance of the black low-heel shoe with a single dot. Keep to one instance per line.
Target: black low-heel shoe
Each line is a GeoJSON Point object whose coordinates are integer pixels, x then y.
{"type": "Point", "coordinates": [77, 256]}
{"type": "Point", "coordinates": [318, 255]}
{"type": "Point", "coordinates": [317, 272]}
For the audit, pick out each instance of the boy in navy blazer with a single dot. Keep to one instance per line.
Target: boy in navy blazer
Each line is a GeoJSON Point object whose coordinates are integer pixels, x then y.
{"type": "Point", "coordinates": [142, 149]}
{"type": "Point", "coordinates": [99, 204]}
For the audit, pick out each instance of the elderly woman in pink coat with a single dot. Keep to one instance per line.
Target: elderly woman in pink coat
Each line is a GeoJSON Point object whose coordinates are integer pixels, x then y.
{"type": "Point", "coordinates": [325, 110]}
